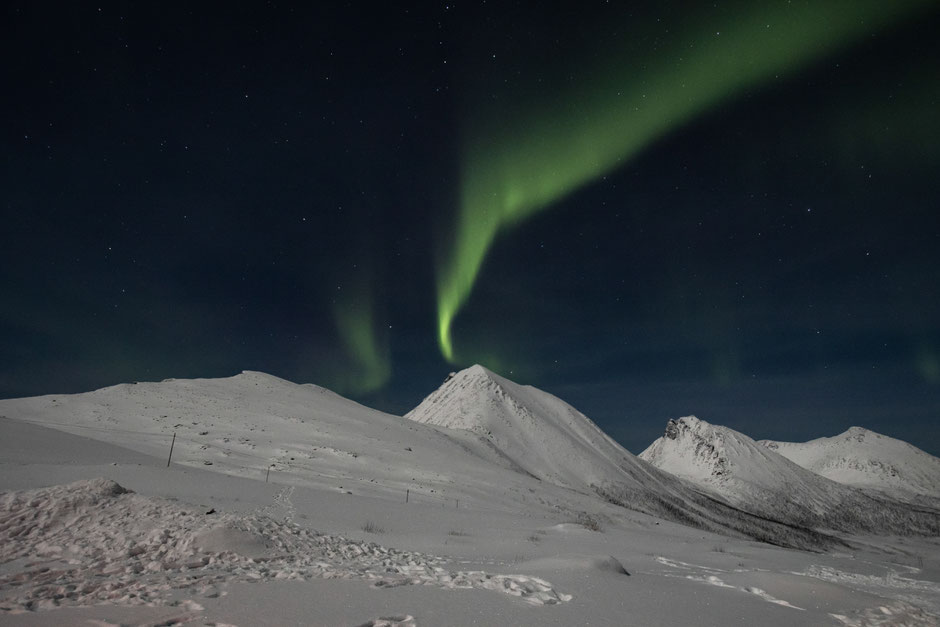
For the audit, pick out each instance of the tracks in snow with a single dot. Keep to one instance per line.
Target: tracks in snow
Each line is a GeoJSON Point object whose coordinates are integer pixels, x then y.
{"type": "Point", "coordinates": [92, 542]}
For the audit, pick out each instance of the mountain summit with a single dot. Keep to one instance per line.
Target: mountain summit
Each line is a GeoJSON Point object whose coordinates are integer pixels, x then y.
{"type": "Point", "coordinates": [863, 458]}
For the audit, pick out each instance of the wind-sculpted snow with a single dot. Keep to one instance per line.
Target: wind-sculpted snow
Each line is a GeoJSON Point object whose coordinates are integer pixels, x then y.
{"type": "Point", "coordinates": [713, 576]}
{"type": "Point", "coordinates": [94, 542]}
{"type": "Point", "coordinates": [916, 601]}
{"type": "Point", "coordinates": [905, 601]}
{"type": "Point", "coordinates": [756, 479]}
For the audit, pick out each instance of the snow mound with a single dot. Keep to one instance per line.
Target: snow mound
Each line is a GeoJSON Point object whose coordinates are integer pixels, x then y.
{"type": "Point", "coordinates": [863, 458]}
{"type": "Point", "coordinates": [92, 542]}
{"type": "Point", "coordinates": [757, 479]}
{"type": "Point", "coordinates": [580, 563]}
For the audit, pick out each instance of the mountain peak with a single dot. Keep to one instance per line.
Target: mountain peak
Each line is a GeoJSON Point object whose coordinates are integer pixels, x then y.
{"type": "Point", "coordinates": [477, 369]}
{"type": "Point", "coordinates": [468, 399]}
{"type": "Point", "coordinates": [476, 372]}
{"type": "Point", "coordinates": [692, 448]}
{"type": "Point", "coordinates": [539, 433]}
{"type": "Point", "coordinates": [858, 433]}
{"type": "Point", "coordinates": [675, 427]}
{"type": "Point", "coordinates": [255, 377]}
{"type": "Point", "coordinates": [864, 458]}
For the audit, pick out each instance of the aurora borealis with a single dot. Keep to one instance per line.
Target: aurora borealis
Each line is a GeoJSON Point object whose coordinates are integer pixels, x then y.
{"type": "Point", "coordinates": [533, 156]}
{"type": "Point", "coordinates": [649, 209]}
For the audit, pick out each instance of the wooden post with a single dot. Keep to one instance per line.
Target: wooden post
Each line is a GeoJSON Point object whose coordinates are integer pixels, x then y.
{"type": "Point", "coordinates": [172, 442]}
{"type": "Point", "coordinates": [457, 503]}
{"type": "Point", "coordinates": [268, 473]}
{"type": "Point", "coordinates": [407, 494]}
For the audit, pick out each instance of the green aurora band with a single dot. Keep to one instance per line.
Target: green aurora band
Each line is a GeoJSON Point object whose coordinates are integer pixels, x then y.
{"type": "Point", "coordinates": [369, 354]}
{"type": "Point", "coordinates": [516, 162]}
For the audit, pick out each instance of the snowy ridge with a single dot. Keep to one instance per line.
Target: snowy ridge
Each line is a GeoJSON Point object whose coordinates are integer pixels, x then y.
{"type": "Point", "coordinates": [253, 422]}
{"type": "Point", "coordinates": [756, 479]}
{"type": "Point", "coordinates": [863, 458]}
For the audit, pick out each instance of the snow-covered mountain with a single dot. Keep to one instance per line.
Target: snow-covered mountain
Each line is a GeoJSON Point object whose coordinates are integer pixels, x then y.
{"type": "Point", "coordinates": [541, 434]}
{"type": "Point", "coordinates": [253, 423]}
{"type": "Point", "coordinates": [513, 446]}
{"type": "Point", "coordinates": [863, 458]}
{"type": "Point", "coordinates": [756, 479]}
{"type": "Point", "coordinates": [307, 435]}
{"type": "Point", "coordinates": [544, 437]}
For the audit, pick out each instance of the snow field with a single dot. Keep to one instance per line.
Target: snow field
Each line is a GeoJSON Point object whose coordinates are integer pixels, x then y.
{"type": "Point", "coordinates": [93, 542]}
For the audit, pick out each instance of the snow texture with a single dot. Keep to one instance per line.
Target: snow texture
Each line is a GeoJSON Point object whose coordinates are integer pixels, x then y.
{"type": "Point", "coordinates": [93, 541]}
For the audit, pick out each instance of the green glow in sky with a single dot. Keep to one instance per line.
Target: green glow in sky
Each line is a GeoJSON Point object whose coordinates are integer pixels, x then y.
{"type": "Point", "coordinates": [371, 365]}
{"type": "Point", "coordinates": [928, 365]}
{"type": "Point", "coordinates": [517, 161]}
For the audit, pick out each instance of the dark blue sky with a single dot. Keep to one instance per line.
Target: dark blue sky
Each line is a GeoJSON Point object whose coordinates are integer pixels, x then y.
{"type": "Point", "coordinates": [191, 194]}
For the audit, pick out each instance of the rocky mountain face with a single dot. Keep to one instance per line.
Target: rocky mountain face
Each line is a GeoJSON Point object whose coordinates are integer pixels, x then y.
{"type": "Point", "coordinates": [757, 479]}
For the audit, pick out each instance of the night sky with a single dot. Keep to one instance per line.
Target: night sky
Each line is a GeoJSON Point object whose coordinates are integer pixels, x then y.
{"type": "Point", "coordinates": [649, 209]}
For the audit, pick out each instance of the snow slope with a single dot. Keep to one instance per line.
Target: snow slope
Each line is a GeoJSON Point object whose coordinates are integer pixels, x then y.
{"type": "Point", "coordinates": [756, 479]}
{"type": "Point", "coordinates": [259, 426]}
{"type": "Point", "coordinates": [546, 438]}
{"type": "Point", "coordinates": [863, 458]}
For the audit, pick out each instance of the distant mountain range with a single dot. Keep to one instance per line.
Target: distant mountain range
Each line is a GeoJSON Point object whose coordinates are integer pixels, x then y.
{"type": "Point", "coordinates": [482, 440]}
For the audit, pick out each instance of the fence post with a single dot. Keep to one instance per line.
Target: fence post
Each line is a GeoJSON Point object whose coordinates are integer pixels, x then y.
{"type": "Point", "coordinates": [407, 494]}
{"type": "Point", "coordinates": [268, 474]}
{"type": "Point", "coordinates": [172, 442]}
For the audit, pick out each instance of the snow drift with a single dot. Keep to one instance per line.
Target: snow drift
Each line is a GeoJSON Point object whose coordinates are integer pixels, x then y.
{"type": "Point", "coordinates": [92, 541]}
